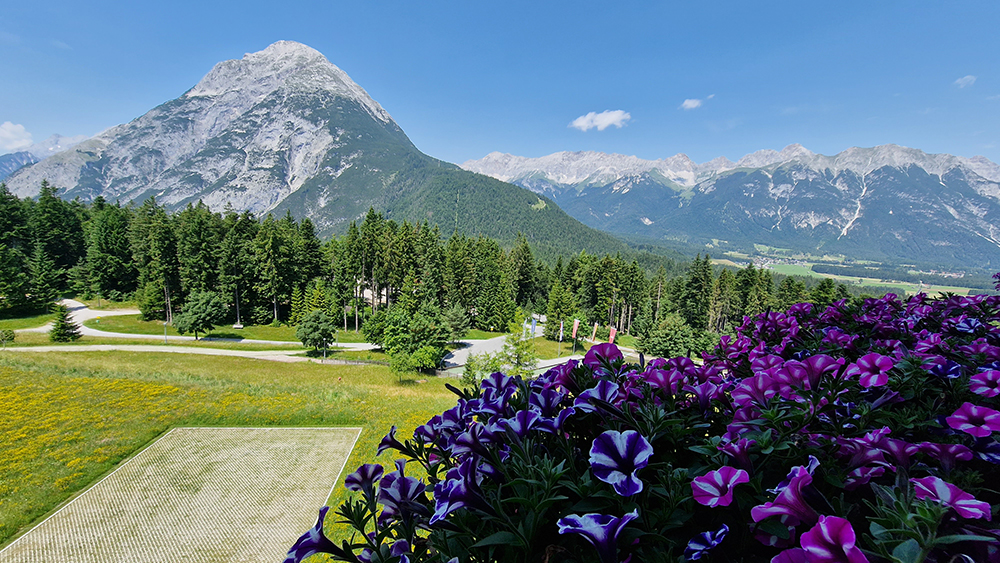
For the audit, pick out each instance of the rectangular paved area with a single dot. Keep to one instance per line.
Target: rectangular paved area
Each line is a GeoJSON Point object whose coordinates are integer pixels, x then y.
{"type": "Point", "coordinates": [200, 495]}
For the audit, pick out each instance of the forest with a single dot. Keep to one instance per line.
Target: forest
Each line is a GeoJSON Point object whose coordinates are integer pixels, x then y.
{"type": "Point", "coordinates": [403, 284]}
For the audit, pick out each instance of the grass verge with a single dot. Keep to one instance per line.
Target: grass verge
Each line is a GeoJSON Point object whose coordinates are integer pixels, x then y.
{"type": "Point", "coordinates": [33, 321]}
{"type": "Point", "coordinates": [547, 349]}
{"type": "Point", "coordinates": [129, 324]}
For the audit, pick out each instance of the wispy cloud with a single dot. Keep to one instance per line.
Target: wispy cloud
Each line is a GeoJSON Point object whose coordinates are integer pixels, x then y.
{"type": "Point", "coordinates": [601, 121]}
{"type": "Point", "coordinates": [965, 81]}
{"type": "Point", "coordinates": [59, 44]}
{"type": "Point", "coordinates": [694, 103]}
{"type": "Point", "coordinates": [14, 137]}
{"type": "Point", "coordinates": [996, 97]}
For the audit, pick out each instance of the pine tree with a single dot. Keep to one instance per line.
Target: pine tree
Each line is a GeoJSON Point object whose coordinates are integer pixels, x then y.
{"type": "Point", "coordinates": [44, 278]}
{"type": "Point", "coordinates": [298, 306]}
{"type": "Point", "coordinates": [724, 312]}
{"type": "Point", "coordinates": [109, 251]}
{"type": "Point", "coordinates": [790, 291]}
{"type": "Point", "coordinates": [203, 310]}
{"type": "Point", "coordinates": [697, 296]}
{"type": "Point", "coordinates": [273, 257]}
{"type": "Point", "coordinates": [199, 234]}
{"type": "Point", "coordinates": [63, 329]}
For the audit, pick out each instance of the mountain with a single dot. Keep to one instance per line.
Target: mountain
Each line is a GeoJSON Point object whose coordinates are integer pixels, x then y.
{"type": "Point", "coordinates": [886, 203]}
{"type": "Point", "coordinates": [10, 163]}
{"type": "Point", "coordinates": [282, 130]}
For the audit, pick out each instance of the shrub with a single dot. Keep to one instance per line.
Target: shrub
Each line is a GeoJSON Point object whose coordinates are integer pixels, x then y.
{"type": "Point", "coordinates": [6, 336]}
{"type": "Point", "coordinates": [855, 432]}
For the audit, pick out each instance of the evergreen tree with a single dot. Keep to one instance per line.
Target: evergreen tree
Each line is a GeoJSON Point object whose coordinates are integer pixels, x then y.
{"type": "Point", "coordinates": [697, 296]}
{"type": "Point", "coordinates": [63, 329]}
{"type": "Point", "coordinates": [273, 257]}
{"type": "Point", "coordinates": [561, 306]}
{"type": "Point", "coordinates": [317, 330]}
{"type": "Point", "coordinates": [203, 310]}
{"type": "Point", "coordinates": [154, 250]}
{"type": "Point", "coordinates": [456, 322]}
{"type": "Point", "coordinates": [58, 228]}
{"type": "Point", "coordinates": [109, 251]}
{"type": "Point", "coordinates": [824, 293]}
{"type": "Point", "coordinates": [236, 261]}
{"type": "Point", "coordinates": [44, 278]}
{"type": "Point", "coordinates": [298, 306]}
{"type": "Point", "coordinates": [521, 270]}
{"type": "Point", "coordinates": [199, 234]}
{"type": "Point", "coordinates": [669, 338]}
{"type": "Point", "coordinates": [724, 310]}
{"type": "Point", "coordinates": [790, 291]}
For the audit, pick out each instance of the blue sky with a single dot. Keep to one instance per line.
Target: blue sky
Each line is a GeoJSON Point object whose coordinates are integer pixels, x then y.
{"type": "Point", "coordinates": [467, 78]}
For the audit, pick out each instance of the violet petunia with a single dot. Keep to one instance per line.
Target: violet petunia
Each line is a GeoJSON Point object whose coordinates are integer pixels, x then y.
{"type": "Point", "coordinates": [939, 490]}
{"type": "Point", "coordinates": [790, 504]}
{"type": "Point", "coordinates": [700, 545]}
{"type": "Point", "coordinates": [400, 495]}
{"type": "Point", "coordinates": [871, 369]}
{"type": "Point", "coordinates": [313, 542]}
{"type": "Point", "coordinates": [946, 454]}
{"type": "Point", "coordinates": [832, 540]}
{"type": "Point", "coordinates": [616, 458]}
{"type": "Point", "coordinates": [601, 530]}
{"type": "Point", "coordinates": [605, 390]}
{"type": "Point", "coordinates": [985, 383]}
{"type": "Point", "coordinates": [715, 488]}
{"type": "Point", "coordinates": [976, 420]}
{"type": "Point", "coordinates": [364, 478]}
{"type": "Point", "coordinates": [609, 352]}
{"type": "Point", "coordinates": [389, 442]}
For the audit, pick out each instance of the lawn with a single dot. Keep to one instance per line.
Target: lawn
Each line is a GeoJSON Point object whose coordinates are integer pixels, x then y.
{"type": "Point", "coordinates": [548, 349]}
{"type": "Point", "coordinates": [476, 334]}
{"type": "Point", "coordinates": [132, 325]}
{"type": "Point", "coordinates": [23, 339]}
{"type": "Point", "coordinates": [105, 305]}
{"type": "Point", "coordinates": [33, 321]}
{"type": "Point", "coordinates": [901, 287]}
{"type": "Point", "coordinates": [70, 418]}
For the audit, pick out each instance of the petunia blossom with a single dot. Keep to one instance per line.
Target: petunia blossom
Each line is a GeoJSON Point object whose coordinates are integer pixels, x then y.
{"type": "Point", "coordinates": [975, 420]}
{"type": "Point", "coordinates": [313, 542]}
{"type": "Point", "coordinates": [700, 545]}
{"type": "Point", "coordinates": [985, 383]}
{"type": "Point", "coordinates": [715, 488]}
{"type": "Point", "coordinates": [616, 458]}
{"type": "Point", "coordinates": [601, 530]}
{"type": "Point", "coordinates": [790, 504]}
{"type": "Point", "coordinates": [939, 490]}
{"type": "Point", "coordinates": [364, 478]}
{"type": "Point", "coordinates": [832, 540]}
{"type": "Point", "coordinates": [609, 352]}
{"type": "Point", "coordinates": [871, 369]}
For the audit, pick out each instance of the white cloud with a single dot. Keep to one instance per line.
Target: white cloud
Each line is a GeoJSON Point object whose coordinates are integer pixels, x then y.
{"type": "Point", "coordinates": [691, 104]}
{"type": "Point", "coordinates": [602, 120]}
{"type": "Point", "coordinates": [59, 44]}
{"type": "Point", "coordinates": [965, 81]}
{"type": "Point", "coordinates": [14, 137]}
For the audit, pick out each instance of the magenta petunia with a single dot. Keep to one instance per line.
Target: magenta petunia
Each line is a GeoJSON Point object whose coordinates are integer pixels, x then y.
{"type": "Point", "coordinates": [985, 383]}
{"type": "Point", "coordinates": [790, 504]}
{"type": "Point", "coordinates": [832, 540]}
{"type": "Point", "coordinates": [871, 369]}
{"type": "Point", "coordinates": [609, 352]}
{"type": "Point", "coordinates": [975, 420]}
{"type": "Point", "coordinates": [715, 488]}
{"type": "Point", "coordinates": [939, 490]}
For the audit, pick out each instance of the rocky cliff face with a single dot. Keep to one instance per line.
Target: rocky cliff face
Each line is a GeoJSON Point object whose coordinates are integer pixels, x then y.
{"type": "Point", "coordinates": [885, 203]}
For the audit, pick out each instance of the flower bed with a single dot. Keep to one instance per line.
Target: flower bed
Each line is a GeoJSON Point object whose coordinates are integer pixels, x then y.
{"type": "Point", "coordinates": [850, 433]}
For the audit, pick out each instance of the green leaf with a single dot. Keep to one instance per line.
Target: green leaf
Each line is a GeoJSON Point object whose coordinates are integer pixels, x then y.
{"type": "Point", "coordinates": [907, 552]}
{"type": "Point", "coordinates": [877, 530]}
{"type": "Point", "coordinates": [960, 538]}
{"type": "Point", "coordinates": [499, 538]}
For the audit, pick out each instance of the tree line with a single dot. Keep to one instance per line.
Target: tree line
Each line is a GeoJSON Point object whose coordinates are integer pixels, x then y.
{"type": "Point", "coordinates": [404, 284]}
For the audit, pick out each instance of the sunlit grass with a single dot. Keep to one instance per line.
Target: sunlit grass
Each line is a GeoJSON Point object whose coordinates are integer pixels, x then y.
{"type": "Point", "coordinates": [476, 334]}
{"type": "Point", "coordinates": [33, 321]}
{"type": "Point", "coordinates": [547, 349]}
{"type": "Point", "coordinates": [25, 339]}
{"type": "Point", "coordinates": [69, 418]}
{"type": "Point", "coordinates": [130, 324]}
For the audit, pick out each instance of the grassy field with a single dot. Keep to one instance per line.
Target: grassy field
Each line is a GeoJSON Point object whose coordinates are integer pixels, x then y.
{"type": "Point", "coordinates": [476, 334]}
{"type": "Point", "coordinates": [105, 305]}
{"type": "Point", "coordinates": [548, 349]}
{"type": "Point", "coordinates": [132, 325]}
{"type": "Point", "coordinates": [24, 339]}
{"type": "Point", "coordinates": [33, 321]}
{"type": "Point", "coordinates": [70, 418]}
{"type": "Point", "coordinates": [901, 287]}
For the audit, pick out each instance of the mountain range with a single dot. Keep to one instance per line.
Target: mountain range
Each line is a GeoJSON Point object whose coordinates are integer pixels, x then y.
{"type": "Point", "coordinates": [284, 129]}
{"type": "Point", "coordinates": [886, 203]}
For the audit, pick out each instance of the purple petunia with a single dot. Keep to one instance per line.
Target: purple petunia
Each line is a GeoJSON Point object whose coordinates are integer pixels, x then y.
{"type": "Point", "coordinates": [939, 490]}
{"type": "Point", "coordinates": [604, 391]}
{"type": "Point", "coordinates": [609, 352]}
{"type": "Point", "coordinates": [700, 545]}
{"type": "Point", "coordinates": [312, 542]}
{"type": "Point", "coordinates": [364, 478]}
{"type": "Point", "coordinates": [601, 530]}
{"type": "Point", "coordinates": [715, 488]}
{"type": "Point", "coordinates": [790, 504]}
{"type": "Point", "coordinates": [831, 540]}
{"type": "Point", "coordinates": [616, 458]}
{"type": "Point", "coordinates": [975, 420]}
{"type": "Point", "coordinates": [985, 383]}
{"type": "Point", "coordinates": [871, 369]}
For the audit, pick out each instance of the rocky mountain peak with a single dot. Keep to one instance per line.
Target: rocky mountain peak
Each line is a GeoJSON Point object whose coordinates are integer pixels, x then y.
{"type": "Point", "coordinates": [241, 83]}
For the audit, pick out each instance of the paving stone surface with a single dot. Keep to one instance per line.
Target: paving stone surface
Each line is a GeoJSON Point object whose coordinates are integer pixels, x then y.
{"type": "Point", "coordinates": [225, 495]}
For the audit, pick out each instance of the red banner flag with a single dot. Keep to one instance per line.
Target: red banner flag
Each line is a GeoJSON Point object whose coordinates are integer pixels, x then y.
{"type": "Point", "coordinates": [611, 336]}
{"type": "Point", "coordinates": [576, 325]}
